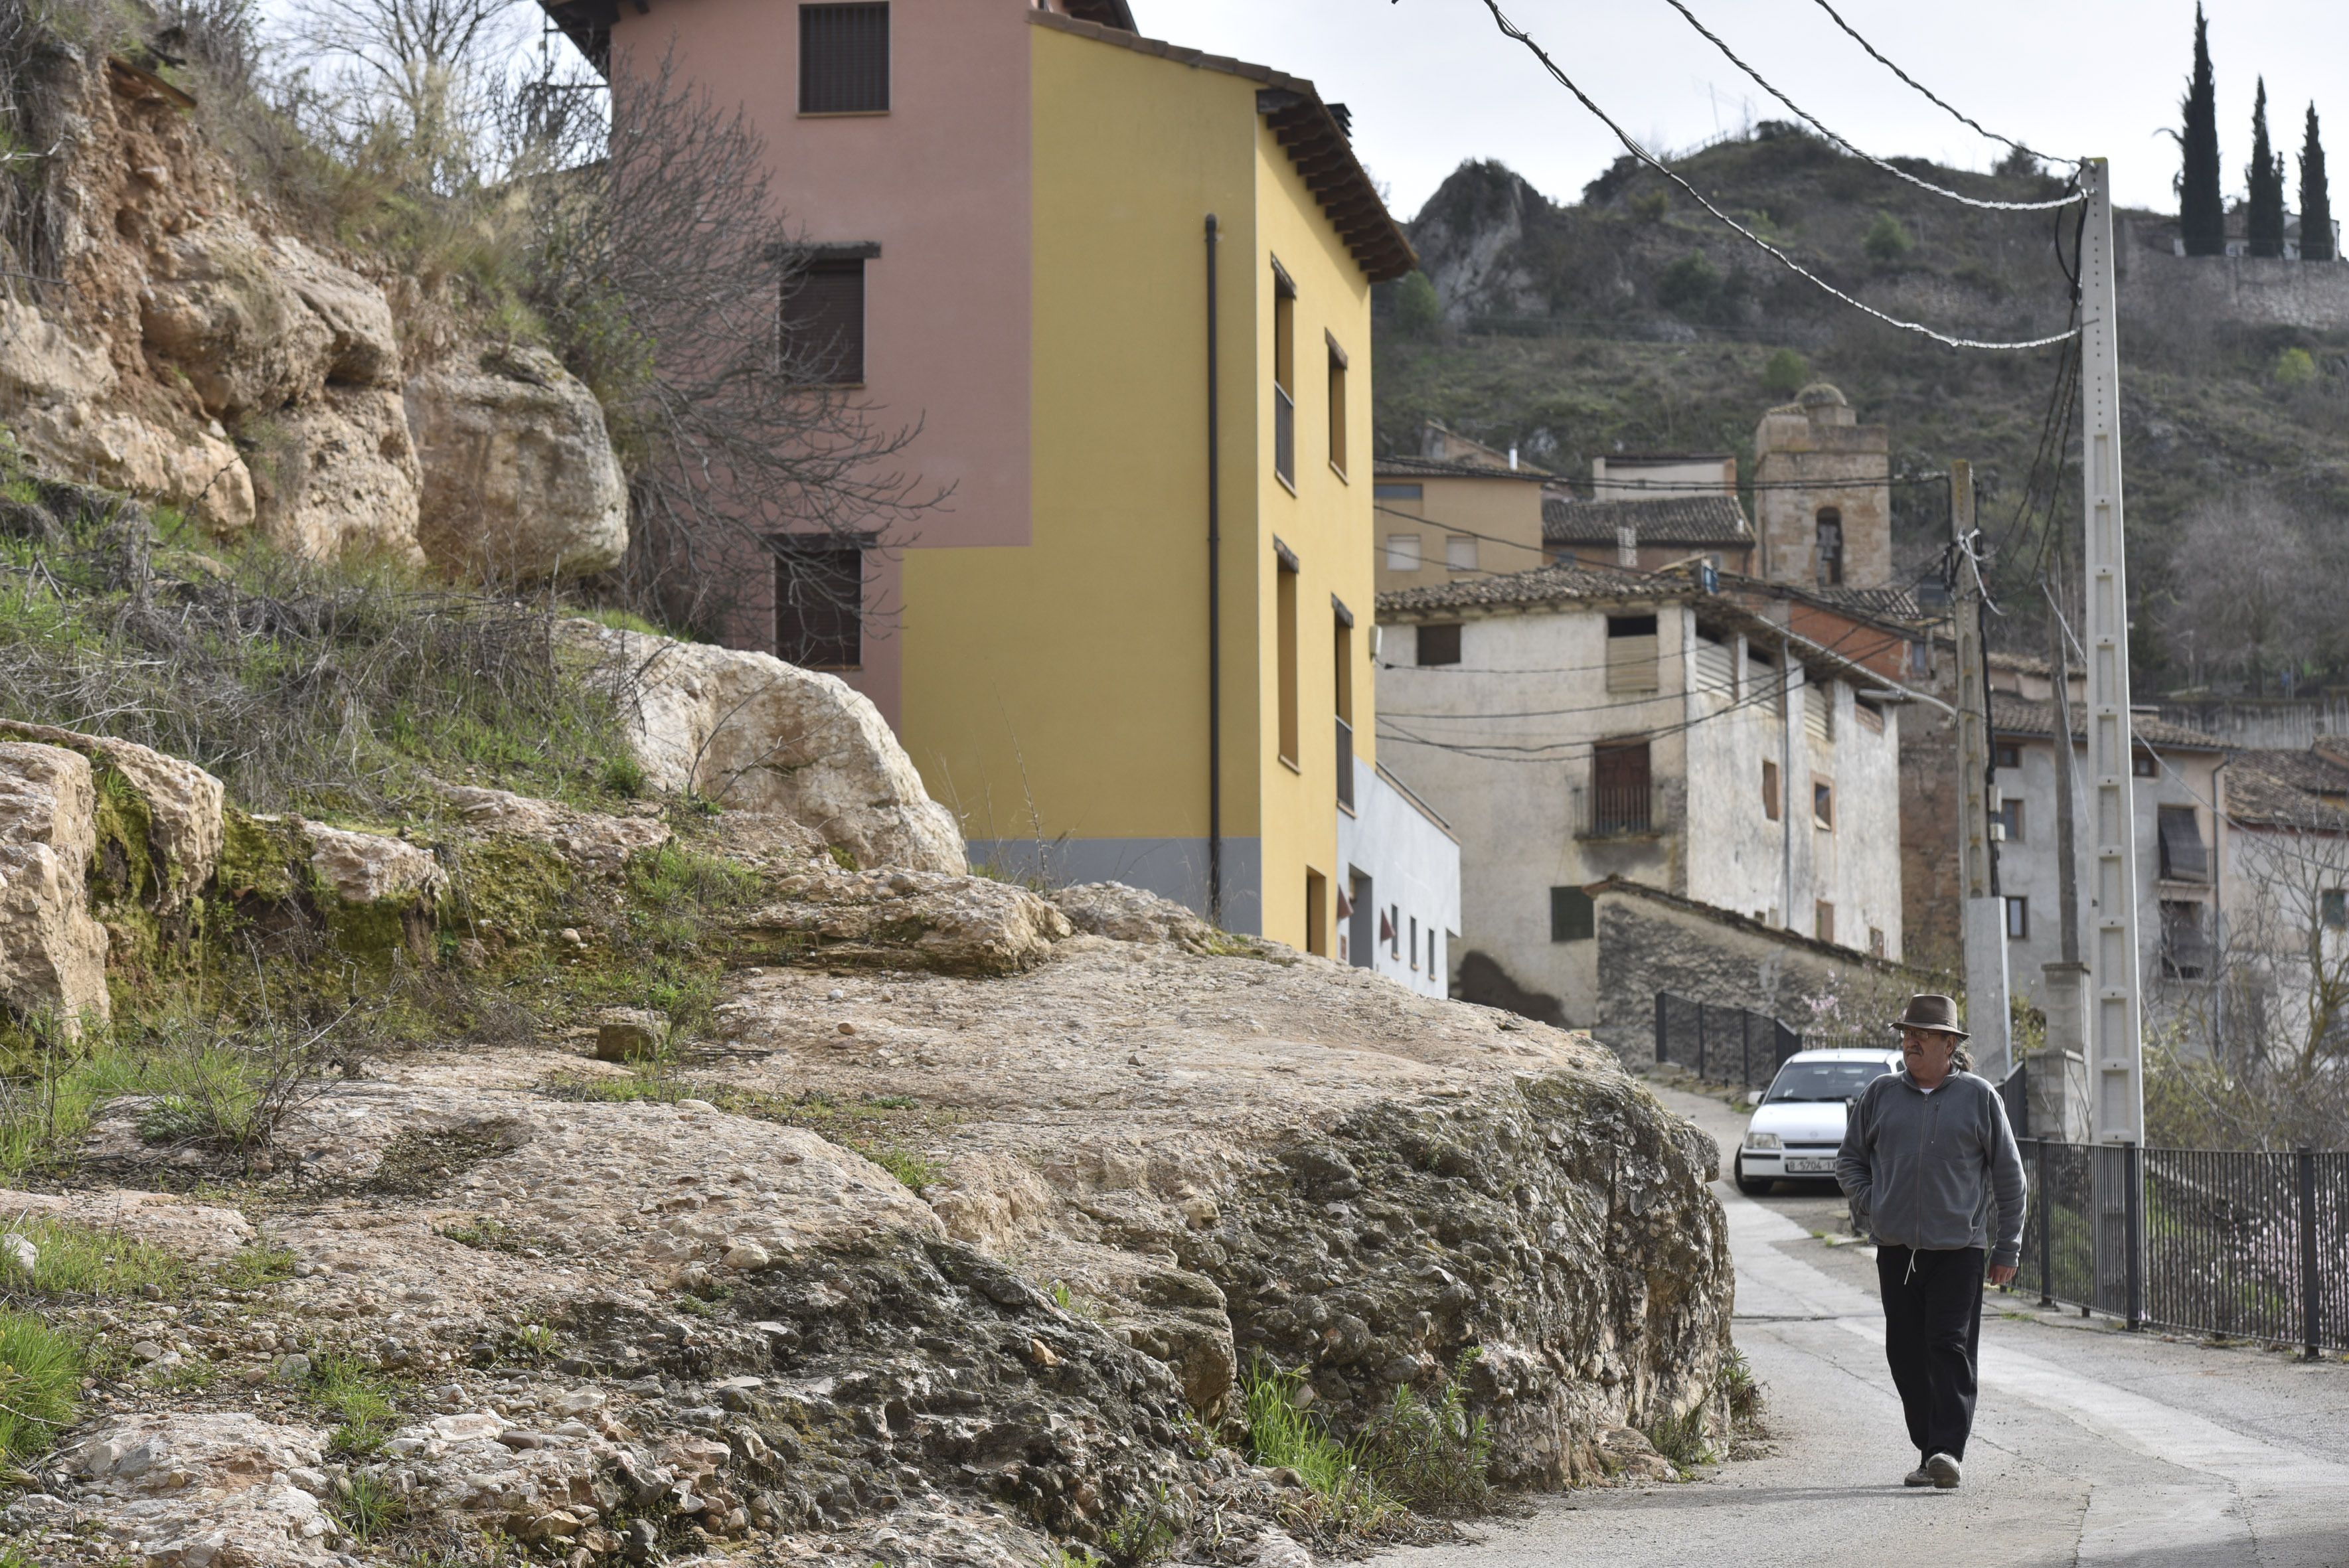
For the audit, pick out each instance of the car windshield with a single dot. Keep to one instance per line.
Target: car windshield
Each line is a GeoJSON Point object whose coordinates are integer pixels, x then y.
{"type": "Point", "coordinates": [1822, 1081]}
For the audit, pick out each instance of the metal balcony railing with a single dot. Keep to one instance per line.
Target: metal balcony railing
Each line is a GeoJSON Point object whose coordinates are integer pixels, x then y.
{"type": "Point", "coordinates": [1615, 810]}
{"type": "Point", "coordinates": [1345, 765]}
{"type": "Point", "coordinates": [1284, 435]}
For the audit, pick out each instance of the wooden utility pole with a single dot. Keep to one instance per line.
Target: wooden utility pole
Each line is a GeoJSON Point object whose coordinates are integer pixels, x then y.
{"type": "Point", "coordinates": [1984, 914]}
{"type": "Point", "coordinates": [2116, 1044]}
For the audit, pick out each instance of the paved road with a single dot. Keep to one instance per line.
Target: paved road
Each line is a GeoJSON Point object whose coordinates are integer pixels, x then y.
{"type": "Point", "coordinates": [2091, 1446]}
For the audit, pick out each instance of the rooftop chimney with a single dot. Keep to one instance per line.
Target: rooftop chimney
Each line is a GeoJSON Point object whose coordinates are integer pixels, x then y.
{"type": "Point", "coordinates": [1513, 459]}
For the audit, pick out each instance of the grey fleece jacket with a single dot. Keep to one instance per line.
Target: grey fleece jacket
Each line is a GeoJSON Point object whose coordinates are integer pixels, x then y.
{"type": "Point", "coordinates": [1925, 1170]}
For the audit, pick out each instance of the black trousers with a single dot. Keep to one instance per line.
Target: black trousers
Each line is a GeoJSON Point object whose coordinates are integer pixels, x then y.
{"type": "Point", "coordinates": [1933, 1335]}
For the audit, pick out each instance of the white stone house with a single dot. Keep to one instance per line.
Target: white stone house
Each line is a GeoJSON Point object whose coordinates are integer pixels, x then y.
{"type": "Point", "coordinates": [1574, 724]}
{"type": "Point", "coordinates": [1399, 896]}
{"type": "Point", "coordinates": [2174, 793]}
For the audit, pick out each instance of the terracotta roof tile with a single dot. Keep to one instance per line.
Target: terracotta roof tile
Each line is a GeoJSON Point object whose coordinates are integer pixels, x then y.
{"type": "Point", "coordinates": [1659, 520]}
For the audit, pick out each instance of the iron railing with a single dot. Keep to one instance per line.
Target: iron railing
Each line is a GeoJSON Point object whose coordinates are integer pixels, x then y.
{"type": "Point", "coordinates": [1615, 810]}
{"type": "Point", "coordinates": [1721, 1045]}
{"type": "Point", "coordinates": [1345, 765]}
{"type": "Point", "coordinates": [2220, 1241]}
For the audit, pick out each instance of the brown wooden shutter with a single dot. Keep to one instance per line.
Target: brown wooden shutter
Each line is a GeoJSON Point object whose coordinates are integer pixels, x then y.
{"type": "Point", "coordinates": [844, 59]}
{"type": "Point", "coordinates": [823, 322]}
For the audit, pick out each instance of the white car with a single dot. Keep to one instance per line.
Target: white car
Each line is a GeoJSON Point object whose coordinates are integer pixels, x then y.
{"type": "Point", "coordinates": [1798, 1126]}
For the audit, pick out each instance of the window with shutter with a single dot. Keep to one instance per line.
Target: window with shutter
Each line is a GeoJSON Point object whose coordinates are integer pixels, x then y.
{"type": "Point", "coordinates": [1572, 916]}
{"type": "Point", "coordinates": [1403, 553]}
{"type": "Point", "coordinates": [820, 603]}
{"type": "Point", "coordinates": [1439, 645]}
{"type": "Point", "coordinates": [844, 59]}
{"type": "Point", "coordinates": [823, 322]}
{"type": "Point", "coordinates": [2183, 857]}
{"type": "Point", "coordinates": [1631, 653]}
{"type": "Point", "coordinates": [1620, 778]}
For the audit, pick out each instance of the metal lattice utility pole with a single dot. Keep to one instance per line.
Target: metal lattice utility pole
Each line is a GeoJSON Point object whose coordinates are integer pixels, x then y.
{"type": "Point", "coordinates": [1984, 913]}
{"type": "Point", "coordinates": [2116, 1044]}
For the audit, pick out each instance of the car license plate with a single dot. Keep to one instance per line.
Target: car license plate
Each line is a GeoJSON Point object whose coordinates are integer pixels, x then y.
{"type": "Point", "coordinates": [1800, 1167]}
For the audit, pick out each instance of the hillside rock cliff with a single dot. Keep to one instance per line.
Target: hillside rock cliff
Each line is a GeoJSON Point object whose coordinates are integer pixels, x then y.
{"type": "Point", "coordinates": [173, 336]}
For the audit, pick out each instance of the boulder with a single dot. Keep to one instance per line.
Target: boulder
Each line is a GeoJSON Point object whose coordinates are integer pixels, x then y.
{"type": "Point", "coordinates": [197, 1233]}
{"type": "Point", "coordinates": [1125, 913]}
{"type": "Point", "coordinates": [182, 806]}
{"type": "Point", "coordinates": [57, 394]}
{"type": "Point", "coordinates": [757, 735]}
{"type": "Point", "coordinates": [234, 313]}
{"type": "Point", "coordinates": [52, 954]}
{"type": "Point", "coordinates": [371, 868]}
{"type": "Point", "coordinates": [519, 476]}
{"type": "Point", "coordinates": [906, 919]}
{"type": "Point", "coordinates": [589, 838]}
{"type": "Point", "coordinates": [339, 473]}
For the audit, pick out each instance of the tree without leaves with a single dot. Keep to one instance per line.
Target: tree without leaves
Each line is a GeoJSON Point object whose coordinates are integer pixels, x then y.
{"type": "Point", "coordinates": [2315, 200]}
{"type": "Point", "coordinates": [2245, 597]}
{"type": "Point", "coordinates": [2264, 211]}
{"type": "Point", "coordinates": [422, 71]}
{"type": "Point", "coordinates": [2201, 212]}
{"type": "Point", "coordinates": [655, 256]}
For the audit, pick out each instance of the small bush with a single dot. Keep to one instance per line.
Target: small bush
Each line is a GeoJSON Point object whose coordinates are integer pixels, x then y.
{"type": "Point", "coordinates": [1649, 206]}
{"type": "Point", "coordinates": [1432, 1455]}
{"type": "Point", "coordinates": [1682, 1439]}
{"type": "Point", "coordinates": [1887, 242]}
{"type": "Point", "coordinates": [1787, 374]}
{"type": "Point", "coordinates": [1417, 310]}
{"type": "Point", "coordinates": [1742, 1393]}
{"type": "Point", "coordinates": [2294, 368]}
{"type": "Point", "coordinates": [1688, 286]}
{"type": "Point", "coordinates": [40, 1373]}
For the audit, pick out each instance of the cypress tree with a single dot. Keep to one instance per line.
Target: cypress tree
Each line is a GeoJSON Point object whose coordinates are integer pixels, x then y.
{"type": "Point", "coordinates": [2316, 202]}
{"type": "Point", "coordinates": [2201, 215]}
{"type": "Point", "coordinates": [2264, 212]}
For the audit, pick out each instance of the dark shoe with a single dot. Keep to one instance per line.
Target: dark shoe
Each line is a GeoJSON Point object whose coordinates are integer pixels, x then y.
{"type": "Point", "coordinates": [1920, 1476]}
{"type": "Point", "coordinates": [1943, 1470]}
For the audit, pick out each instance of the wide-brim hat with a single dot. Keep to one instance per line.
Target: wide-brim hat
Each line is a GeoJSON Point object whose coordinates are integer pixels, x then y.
{"type": "Point", "coordinates": [1930, 1010]}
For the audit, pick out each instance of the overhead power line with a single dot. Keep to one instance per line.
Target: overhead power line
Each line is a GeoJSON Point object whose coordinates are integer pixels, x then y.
{"type": "Point", "coordinates": [1964, 118]}
{"type": "Point", "coordinates": [1512, 30]}
{"type": "Point", "coordinates": [2069, 196]}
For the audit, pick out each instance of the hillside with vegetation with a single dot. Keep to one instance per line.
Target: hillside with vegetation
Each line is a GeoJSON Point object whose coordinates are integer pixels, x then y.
{"type": "Point", "coordinates": [1631, 319]}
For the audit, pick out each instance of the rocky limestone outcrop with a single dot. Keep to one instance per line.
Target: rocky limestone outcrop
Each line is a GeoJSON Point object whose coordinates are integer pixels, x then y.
{"type": "Point", "coordinates": [757, 735]}
{"type": "Point", "coordinates": [951, 1239]}
{"type": "Point", "coordinates": [52, 952]}
{"type": "Point", "coordinates": [901, 920]}
{"type": "Point", "coordinates": [176, 807]}
{"type": "Point", "coordinates": [520, 481]}
{"type": "Point", "coordinates": [193, 351]}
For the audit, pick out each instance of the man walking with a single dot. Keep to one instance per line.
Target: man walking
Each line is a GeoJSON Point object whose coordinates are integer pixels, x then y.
{"type": "Point", "coordinates": [1933, 1175]}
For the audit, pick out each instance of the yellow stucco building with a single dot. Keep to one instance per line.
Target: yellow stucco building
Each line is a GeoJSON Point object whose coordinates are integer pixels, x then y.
{"type": "Point", "coordinates": [1048, 229]}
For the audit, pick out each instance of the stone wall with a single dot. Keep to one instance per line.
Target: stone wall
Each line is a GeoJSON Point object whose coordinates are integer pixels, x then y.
{"type": "Point", "coordinates": [2261, 291]}
{"type": "Point", "coordinates": [1650, 941]}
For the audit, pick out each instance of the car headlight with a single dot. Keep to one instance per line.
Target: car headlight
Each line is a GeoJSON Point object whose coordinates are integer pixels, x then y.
{"type": "Point", "coordinates": [1762, 1140]}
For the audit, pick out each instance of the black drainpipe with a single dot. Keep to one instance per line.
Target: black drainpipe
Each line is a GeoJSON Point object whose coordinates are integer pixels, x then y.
{"type": "Point", "coordinates": [1214, 610]}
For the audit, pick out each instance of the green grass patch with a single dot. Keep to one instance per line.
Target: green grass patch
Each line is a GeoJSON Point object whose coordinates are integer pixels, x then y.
{"type": "Point", "coordinates": [70, 1259]}
{"type": "Point", "coordinates": [485, 1234]}
{"type": "Point", "coordinates": [1347, 1501]}
{"type": "Point", "coordinates": [359, 1399]}
{"type": "Point", "coordinates": [1432, 1454]}
{"type": "Point", "coordinates": [40, 1376]}
{"type": "Point", "coordinates": [368, 1507]}
{"type": "Point", "coordinates": [253, 1267]}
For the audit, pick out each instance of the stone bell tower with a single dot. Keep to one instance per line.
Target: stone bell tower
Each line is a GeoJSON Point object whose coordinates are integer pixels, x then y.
{"type": "Point", "coordinates": [1822, 495]}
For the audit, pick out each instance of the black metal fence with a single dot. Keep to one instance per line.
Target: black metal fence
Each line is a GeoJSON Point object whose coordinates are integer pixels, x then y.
{"type": "Point", "coordinates": [1721, 1045]}
{"type": "Point", "coordinates": [2249, 1245]}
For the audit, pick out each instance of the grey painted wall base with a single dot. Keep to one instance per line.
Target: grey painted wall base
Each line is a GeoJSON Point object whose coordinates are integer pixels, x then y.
{"type": "Point", "coordinates": [1172, 868]}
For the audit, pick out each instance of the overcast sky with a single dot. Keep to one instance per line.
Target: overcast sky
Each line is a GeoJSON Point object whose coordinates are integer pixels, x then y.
{"type": "Point", "coordinates": [1432, 82]}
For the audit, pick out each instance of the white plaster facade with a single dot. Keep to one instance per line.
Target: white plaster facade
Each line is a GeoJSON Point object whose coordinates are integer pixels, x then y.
{"type": "Point", "coordinates": [1400, 868]}
{"type": "Point", "coordinates": [2175, 778]}
{"type": "Point", "coordinates": [1506, 744]}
